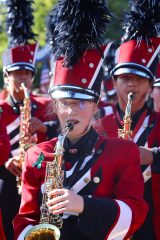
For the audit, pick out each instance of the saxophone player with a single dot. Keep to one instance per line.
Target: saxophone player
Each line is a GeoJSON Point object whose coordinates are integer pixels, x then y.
{"type": "Point", "coordinates": [100, 197]}
{"type": "Point", "coordinates": [88, 159]}
{"type": "Point", "coordinates": [135, 72]}
{"type": "Point", "coordinates": [37, 124]}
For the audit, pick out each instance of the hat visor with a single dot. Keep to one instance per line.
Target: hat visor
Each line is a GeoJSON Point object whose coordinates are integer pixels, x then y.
{"type": "Point", "coordinates": [132, 68]}
{"type": "Point", "coordinates": [20, 66]}
{"type": "Point", "coordinates": [131, 71]}
{"type": "Point", "coordinates": [72, 92]}
{"type": "Point", "coordinates": [69, 94]}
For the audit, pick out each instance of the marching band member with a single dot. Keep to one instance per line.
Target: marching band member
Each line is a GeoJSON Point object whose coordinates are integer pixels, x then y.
{"type": "Point", "coordinates": [102, 193]}
{"type": "Point", "coordinates": [134, 72]}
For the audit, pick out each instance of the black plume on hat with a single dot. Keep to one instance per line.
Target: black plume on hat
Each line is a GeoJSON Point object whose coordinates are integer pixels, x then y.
{"type": "Point", "coordinates": [143, 20]}
{"type": "Point", "coordinates": [75, 26]}
{"type": "Point", "coordinates": [19, 22]}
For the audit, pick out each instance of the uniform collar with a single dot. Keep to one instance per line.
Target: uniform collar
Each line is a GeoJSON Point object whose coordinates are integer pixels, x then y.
{"type": "Point", "coordinates": [84, 146]}
{"type": "Point", "coordinates": [14, 104]}
{"type": "Point", "coordinates": [135, 116]}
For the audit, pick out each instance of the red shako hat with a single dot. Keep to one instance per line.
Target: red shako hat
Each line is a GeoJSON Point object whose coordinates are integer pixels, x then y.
{"type": "Point", "coordinates": [21, 57]}
{"type": "Point", "coordinates": [138, 53]}
{"type": "Point", "coordinates": [83, 81]}
{"type": "Point", "coordinates": [21, 54]}
{"type": "Point", "coordinates": [78, 48]}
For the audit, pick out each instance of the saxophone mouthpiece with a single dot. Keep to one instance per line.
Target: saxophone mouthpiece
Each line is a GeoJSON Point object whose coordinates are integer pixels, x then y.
{"type": "Point", "coordinates": [26, 92]}
{"type": "Point", "coordinates": [131, 96]}
{"type": "Point", "coordinates": [23, 85]}
{"type": "Point", "coordinates": [69, 125]}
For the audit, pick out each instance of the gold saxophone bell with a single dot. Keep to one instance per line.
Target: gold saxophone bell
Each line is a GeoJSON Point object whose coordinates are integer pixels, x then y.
{"type": "Point", "coordinates": [43, 232]}
{"type": "Point", "coordinates": [48, 228]}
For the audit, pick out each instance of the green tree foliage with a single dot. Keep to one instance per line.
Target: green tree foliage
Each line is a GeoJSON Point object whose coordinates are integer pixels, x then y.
{"type": "Point", "coordinates": [42, 8]}
{"type": "Point", "coordinates": [118, 8]}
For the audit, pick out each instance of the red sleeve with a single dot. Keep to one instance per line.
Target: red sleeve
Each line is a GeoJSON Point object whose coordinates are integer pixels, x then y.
{"type": "Point", "coordinates": [122, 214]}
{"type": "Point", "coordinates": [156, 196]}
{"type": "Point", "coordinates": [130, 185]}
{"type": "Point", "coordinates": [29, 209]}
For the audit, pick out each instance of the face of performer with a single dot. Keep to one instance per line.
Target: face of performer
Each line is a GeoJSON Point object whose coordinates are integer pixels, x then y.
{"type": "Point", "coordinates": [14, 80]}
{"type": "Point", "coordinates": [155, 94]}
{"type": "Point", "coordinates": [77, 111]}
{"type": "Point", "coordinates": [140, 86]}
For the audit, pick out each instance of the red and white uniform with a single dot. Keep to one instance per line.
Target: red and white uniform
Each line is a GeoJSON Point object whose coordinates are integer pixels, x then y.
{"type": "Point", "coordinates": [146, 132]}
{"type": "Point", "coordinates": [11, 116]}
{"type": "Point", "coordinates": [8, 184]}
{"type": "Point", "coordinates": [110, 181]}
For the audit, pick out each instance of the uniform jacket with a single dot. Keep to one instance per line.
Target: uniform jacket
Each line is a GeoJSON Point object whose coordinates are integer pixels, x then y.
{"type": "Point", "coordinates": [11, 116]}
{"type": "Point", "coordinates": [4, 143]}
{"type": "Point", "coordinates": [145, 133]}
{"type": "Point", "coordinates": [110, 181]}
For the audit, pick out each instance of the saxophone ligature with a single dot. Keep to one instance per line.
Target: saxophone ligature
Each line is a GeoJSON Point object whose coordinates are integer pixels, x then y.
{"type": "Point", "coordinates": [126, 132]}
{"type": "Point", "coordinates": [50, 224]}
{"type": "Point", "coordinates": [26, 139]}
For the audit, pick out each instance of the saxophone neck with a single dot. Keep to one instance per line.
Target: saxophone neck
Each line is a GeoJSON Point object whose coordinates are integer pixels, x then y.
{"type": "Point", "coordinates": [59, 148]}
{"type": "Point", "coordinates": [126, 132]}
{"type": "Point", "coordinates": [129, 104]}
{"type": "Point", "coordinates": [26, 91]}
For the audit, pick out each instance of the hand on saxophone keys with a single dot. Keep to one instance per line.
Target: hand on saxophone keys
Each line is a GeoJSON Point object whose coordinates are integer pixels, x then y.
{"type": "Point", "coordinates": [65, 200]}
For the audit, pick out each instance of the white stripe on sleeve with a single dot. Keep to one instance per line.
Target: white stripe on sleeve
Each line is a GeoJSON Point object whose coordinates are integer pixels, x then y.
{"type": "Point", "coordinates": [141, 130]}
{"type": "Point", "coordinates": [13, 125]}
{"type": "Point", "coordinates": [123, 224]}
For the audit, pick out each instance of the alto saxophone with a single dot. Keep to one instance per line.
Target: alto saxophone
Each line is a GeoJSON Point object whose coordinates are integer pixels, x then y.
{"type": "Point", "coordinates": [49, 225]}
{"type": "Point", "coordinates": [26, 139]}
{"type": "Point", "coordinates": [126, 132]}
